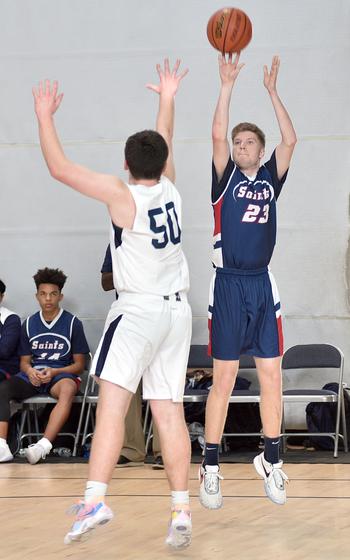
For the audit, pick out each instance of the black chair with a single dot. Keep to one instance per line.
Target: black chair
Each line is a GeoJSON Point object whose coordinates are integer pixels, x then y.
{"type": "Point", "coordinates": [199, 359]}
{"type": "Point", "coordinates": [304, 358]}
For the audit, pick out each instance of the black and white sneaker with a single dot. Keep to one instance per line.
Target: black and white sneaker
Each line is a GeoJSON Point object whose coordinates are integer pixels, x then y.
{"type": "Point", "coordinates": [274, 479]}
{"type": "Point", "coordinates": [158, 463]}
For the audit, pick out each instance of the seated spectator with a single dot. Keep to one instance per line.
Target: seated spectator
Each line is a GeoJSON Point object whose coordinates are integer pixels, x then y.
{"type": "Point", "coordinates": [52, 355]}
{"type": "Point", "coordinates": [10, 331]}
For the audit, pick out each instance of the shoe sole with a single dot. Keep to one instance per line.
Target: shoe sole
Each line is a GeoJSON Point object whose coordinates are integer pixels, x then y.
{"type": "Point", "coordinates": [27, 456]}
{"type": "Point", "coordinates": [260, 470]}
{"type": "Point", "coordinates": [7, 459]}
{"type": "Point", "coordinates": [90, 525]}
{"type": "Point", "coordinates": [207, 504]}
{"type": "Point", "coordinates": [181, 537]}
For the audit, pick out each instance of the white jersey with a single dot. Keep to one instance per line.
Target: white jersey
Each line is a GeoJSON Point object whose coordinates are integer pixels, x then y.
{"type": "Point", "coordinates": [148, 258]}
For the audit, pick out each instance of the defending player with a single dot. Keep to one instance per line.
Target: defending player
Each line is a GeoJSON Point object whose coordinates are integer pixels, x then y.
{"type": "Point", "coordinates": [244, 307]}
{"type": "Point", "coordinates": [148, 329]}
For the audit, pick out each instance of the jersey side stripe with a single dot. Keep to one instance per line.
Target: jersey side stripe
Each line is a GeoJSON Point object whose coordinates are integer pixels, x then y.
{"type": "Point", "coordinates": [225, 189]}
{"type": "Point", "coordinates": [106, 342]}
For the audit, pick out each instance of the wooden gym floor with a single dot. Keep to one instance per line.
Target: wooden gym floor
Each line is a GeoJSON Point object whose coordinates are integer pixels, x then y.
{"type": "Point", "coordinates": [313, 525]}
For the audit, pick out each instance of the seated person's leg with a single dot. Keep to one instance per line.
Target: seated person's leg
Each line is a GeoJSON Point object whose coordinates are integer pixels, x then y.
{"type": "Point", "coordinates": [64, 391]}
{"type": "Point", "coordinates": [14, 388]}
{"type": "Point", "coordinates": [133, 449]}
{"type": "Point", "coordinates": [157, 454]}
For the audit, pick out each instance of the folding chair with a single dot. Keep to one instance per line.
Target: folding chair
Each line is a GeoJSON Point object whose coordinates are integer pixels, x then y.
{"type": "Point", "coordinates": [32, 405]}
{"type": "Point", "coordinates": [91, 399]}
{"type": "Point", "coordinates": [198, 359]}
{"type": "Point", "coordinates": [304, 358]}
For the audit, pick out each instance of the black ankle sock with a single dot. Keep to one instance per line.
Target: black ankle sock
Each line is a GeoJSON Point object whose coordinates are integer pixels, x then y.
{"type": "Point", "coordinates": [272, 449]}
{"type": "Point", "coordinates": [211, 455]}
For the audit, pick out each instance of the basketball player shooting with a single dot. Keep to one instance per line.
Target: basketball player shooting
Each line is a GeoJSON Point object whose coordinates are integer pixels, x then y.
{"type": "Point", "coordinates": [148, 329]}
{"type": "Point", "coordinates": [244, 307]}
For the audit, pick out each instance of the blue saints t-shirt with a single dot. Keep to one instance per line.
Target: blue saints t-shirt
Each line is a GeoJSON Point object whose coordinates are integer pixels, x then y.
{"type": "Point", "coordinates": [107, 262]}
{"type": "Point", "coordinates": [245, 216]}
{"type": "Point", "coordinates": [52, 344]}
{"type": "Point", "coordinates": [10, 330]}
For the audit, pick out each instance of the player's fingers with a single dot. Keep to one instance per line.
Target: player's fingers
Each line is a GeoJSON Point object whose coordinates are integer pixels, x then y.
{"type": "Point", "coordinates": [152, 87]}
{"type": "Point", "coordinates": [176, 66]}
{"type": "Point", "coordinates": [183, 74]}
{"type": "Point", "coordinates": [166, 66]}
{"type": "Point", "coordinates": [40, 88]}
{"type": "Point", "coordinates": [59, 99]}
{"type": "Point", "coordinates": [159, 70]}
{"type": "Point", "coordinates": [35, 94]}
{"type": "Point", "coordinates": [47, 87]}
{"type": "Point", "coordinates": [54, 88]}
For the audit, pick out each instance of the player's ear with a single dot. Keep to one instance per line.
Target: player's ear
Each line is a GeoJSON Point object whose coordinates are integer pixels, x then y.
{"type": "Point", "coordinates": [262, 153]}
{"type": "Point", "coordinates": [61, 297]}
{"type": "Point", "coordinates": [126, 167]}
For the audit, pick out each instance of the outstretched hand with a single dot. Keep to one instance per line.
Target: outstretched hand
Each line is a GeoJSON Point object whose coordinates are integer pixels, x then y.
{"type": "Point", "coordinates": [228, 68]}
{"type": "Point", "coordinates": [270, 78]}
{"type": "Point", "coordinates": [169, 81]}
{"type": "Point", "coordinates": [46, 98]}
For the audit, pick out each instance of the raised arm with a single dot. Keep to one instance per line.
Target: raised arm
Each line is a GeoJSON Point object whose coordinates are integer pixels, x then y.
{"type": "Point", "coordinates": [106, 188]}
{"type": "Point", "coordinates": [284, 150]}
{"type": "Point", "coordinates": [168, 85]}
{"type": "Point", "coordinates": [229, 70]}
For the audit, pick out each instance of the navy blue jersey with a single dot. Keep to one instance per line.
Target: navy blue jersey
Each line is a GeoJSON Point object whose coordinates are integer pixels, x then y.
{"type": "Point", "coordinates": [245, 216]}
{"type": "Point", "coordinates": [52, 344]}
{"type": "Point", "coordinates": [10, 330]}
{"type": "Point", "coordinates": [107, 263]}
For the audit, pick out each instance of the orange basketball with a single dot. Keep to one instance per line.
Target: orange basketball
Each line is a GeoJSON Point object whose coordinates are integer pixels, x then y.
{"type": "Point", "coordinates": [229, 30]}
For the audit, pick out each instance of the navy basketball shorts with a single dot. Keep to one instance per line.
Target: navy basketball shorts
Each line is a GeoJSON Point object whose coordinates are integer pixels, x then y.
{"type": "Point", "coordinates": [244, 314]}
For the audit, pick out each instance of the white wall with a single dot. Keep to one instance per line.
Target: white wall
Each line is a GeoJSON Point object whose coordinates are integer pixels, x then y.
{"type": "Point", "coordinates": [103, 52]}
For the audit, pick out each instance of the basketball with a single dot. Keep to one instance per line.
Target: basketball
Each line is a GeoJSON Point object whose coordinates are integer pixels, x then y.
{"type": "Point", "coordinates": [229, 30]}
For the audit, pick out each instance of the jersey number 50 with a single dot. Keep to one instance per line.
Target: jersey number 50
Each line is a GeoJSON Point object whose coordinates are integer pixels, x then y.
{"type": "Point", "coordinates": [171, 230]}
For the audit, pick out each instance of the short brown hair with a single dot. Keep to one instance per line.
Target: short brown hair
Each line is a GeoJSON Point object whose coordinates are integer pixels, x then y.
{"type": "Point", "coordinates": [242, 127]}
{"type": "Point", "coordinates": [146, 153]}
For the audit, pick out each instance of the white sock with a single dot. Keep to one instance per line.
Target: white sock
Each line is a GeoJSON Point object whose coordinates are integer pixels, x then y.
{"type": "Point", "coordinates": [46, 444]}
{"type": "Point", "coordinates": [180, 498]}
{"type": "Point", "coordinates": [3, 442]}
{"type": "Point", "coordinates": [95, 491]}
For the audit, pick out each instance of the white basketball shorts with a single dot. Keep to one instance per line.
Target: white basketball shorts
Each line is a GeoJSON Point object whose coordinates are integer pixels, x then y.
{"type": "Point", "coordinates": [146, 336]}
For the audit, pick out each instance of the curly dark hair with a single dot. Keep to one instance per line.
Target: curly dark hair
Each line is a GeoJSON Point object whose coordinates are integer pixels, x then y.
{"type": "Point", "coordinates": [50, 276]}
{"type": "Point", "coordinates": [2, 287]}
{"type": "Point", "coordinates": [146, 153]}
